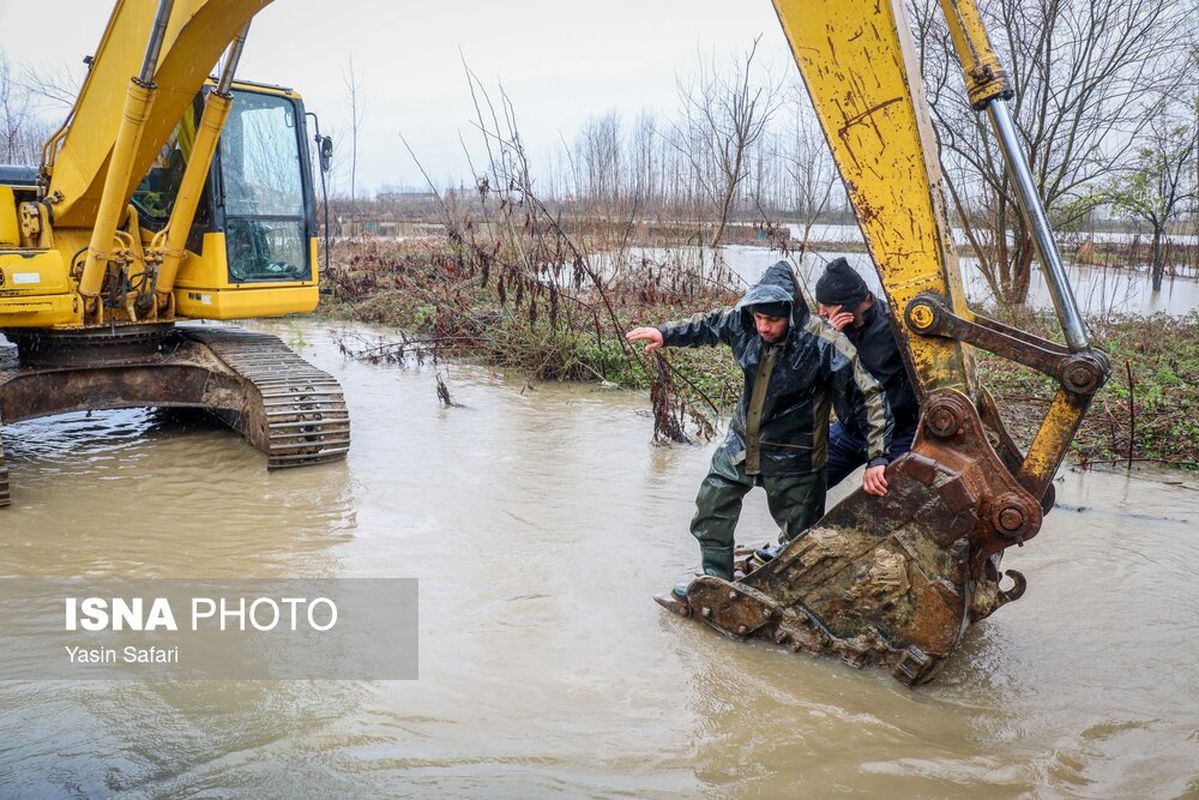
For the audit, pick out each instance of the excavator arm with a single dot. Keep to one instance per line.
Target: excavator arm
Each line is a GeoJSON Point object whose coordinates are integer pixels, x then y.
{"type": "Point", "coordinates": [859, 64]}
{"type": "Point", "coordinates": [857, 61]}
{"type": "Point", "coordinates": [77, 160]}
{"type": "Point", "coordinates": [897, 580]}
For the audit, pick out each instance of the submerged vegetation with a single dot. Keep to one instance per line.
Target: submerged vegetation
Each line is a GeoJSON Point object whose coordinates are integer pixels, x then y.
{"type": "Point", "coordinates": [563, 319]}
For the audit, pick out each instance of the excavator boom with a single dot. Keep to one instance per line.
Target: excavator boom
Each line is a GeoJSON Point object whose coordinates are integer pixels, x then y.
{"type": "Point", "coordinates": [78, 158]}
{"type": "Point", "coordinates": [857, 60]}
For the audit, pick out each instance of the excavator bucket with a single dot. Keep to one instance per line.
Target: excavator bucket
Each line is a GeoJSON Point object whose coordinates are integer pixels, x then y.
{"type": "Point", "coordinates": [891, 580]}
{"type": "Point", "coordinates": [291, 411]}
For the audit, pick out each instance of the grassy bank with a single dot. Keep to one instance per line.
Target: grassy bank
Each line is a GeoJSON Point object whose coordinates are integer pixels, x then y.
{"type": "Point", "coordinates": [1149, 409]}
{"type": "Point", "coordinates": [539, 305]}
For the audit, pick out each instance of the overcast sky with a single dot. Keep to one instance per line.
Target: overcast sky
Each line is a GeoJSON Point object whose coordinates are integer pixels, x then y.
{"type": "Point", "coordinates": [560, 62]}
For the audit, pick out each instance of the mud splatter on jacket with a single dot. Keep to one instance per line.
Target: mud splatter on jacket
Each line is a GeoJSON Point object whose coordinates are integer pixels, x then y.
{"type": "Point", "coordinates": [786, 430]}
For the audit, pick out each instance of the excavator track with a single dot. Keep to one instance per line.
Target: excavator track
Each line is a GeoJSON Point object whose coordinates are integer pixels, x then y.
{"type": "Point", "coordinates": [5, 495]}
{"type": "Point", "coordinates": [303, 417]}
{"type": "Point", "coordinates": [293, 412]}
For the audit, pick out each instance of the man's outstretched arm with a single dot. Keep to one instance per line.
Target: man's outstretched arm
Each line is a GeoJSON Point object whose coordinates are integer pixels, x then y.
{"type": "Point", "coordinates": [701, 330]}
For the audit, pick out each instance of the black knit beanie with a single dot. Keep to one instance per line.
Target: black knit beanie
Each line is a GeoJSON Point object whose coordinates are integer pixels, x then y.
{"type": "Point", "coordinates": [841, 286]}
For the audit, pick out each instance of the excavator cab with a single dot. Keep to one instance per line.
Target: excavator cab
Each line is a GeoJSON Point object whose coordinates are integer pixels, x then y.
{"type": "Point", "coordinates": [254, 228]}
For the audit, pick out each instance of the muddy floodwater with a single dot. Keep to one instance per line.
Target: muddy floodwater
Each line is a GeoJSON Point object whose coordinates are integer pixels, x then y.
{"type": "Point", "coordinates": [539, 521]}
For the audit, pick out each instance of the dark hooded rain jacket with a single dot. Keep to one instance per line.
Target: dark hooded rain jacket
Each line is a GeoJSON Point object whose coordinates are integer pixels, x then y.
{"type": "Point", "coordinates": [783, 429]}
{"type": "Point", "coordinates": [877, 347]}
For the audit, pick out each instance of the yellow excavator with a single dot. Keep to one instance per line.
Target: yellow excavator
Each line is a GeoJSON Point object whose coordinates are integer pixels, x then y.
{"type": "Point", "coordinates": [896, 581]}
{"type": "Point", "coordinates": [167, 196]}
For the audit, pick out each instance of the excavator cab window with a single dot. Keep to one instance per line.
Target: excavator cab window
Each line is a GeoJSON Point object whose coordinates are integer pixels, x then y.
{"type": "Point", "coordinates": [262, 190]}
{"type": "Point", "coordinates": [155, 195]}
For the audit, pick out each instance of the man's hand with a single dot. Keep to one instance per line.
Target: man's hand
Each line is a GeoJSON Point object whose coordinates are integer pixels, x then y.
{"type": "Point", "coordinates": [841, 319]}
{"type": "Point", "coordinates": [836, 316]}
{"type": "Point", "coordinates": [874, 481]}
{"type": "Point", "coordinates": [651, 335]}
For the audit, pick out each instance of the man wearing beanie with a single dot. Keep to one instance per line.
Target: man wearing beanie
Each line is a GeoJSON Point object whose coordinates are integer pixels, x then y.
{"type": "Point", "coordinates": [844, 300]}
{"type": "Point", "coordinates": [795, 367]}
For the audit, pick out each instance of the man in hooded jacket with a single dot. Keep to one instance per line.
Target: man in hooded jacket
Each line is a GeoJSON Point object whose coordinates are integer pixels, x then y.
{"type": "Point", "coordinates": [795, 366]}
{"type": "Point", "coordinates": [843, 299]}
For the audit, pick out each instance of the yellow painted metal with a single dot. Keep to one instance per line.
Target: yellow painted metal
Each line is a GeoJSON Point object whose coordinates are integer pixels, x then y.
{"type": "Point", "coordinates": [10, 226]}
{"type": "Point", "coordinates": [216, 110]}
{"type": "Point", "coordinates": [139, 100]}
{"type": "Point", "coordinates": [1051, 442]}
{"type": "Point", "coordinates": [35, 290]}
{"type": "Point", "coordinates": [196, 36]}
{"type": "Point", "coordinates": [245, 303]}
{"type": "Point", "coordinates": [36, 231]}
{"type": "Point", "coordinates": [77, 155]}
{"type": "Point", "coordinates": [32, 272]}
{"type": "Point", "coordinates": [858, 62]}
{"type": "Point", "coordinates": [208, 269]}
{"type": "Point", "coordinates": [41, 311]}
{"type": "Point", "coordinates": [985, 76]}
{"type": "Point", "coordinates": [203, 290]}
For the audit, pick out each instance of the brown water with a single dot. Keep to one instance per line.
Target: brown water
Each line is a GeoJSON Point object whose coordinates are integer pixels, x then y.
{"type": "Point", "coordinates": [539, 521]}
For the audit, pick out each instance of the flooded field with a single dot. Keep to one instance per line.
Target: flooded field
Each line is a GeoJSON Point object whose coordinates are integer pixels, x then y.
{"type": "Point", "coordinates": [1098, 290]}
{"type": "Point", "coordinates": [539, 521]}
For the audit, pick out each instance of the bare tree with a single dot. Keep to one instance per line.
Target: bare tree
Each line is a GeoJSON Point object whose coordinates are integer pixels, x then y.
{"type": "Point", "coordinates": [812, 177]}
{"type": "Point", "coordinates": [724, 114]}
{"type": "Point", "coordinates": [14, 112]}
{"type": "Point", "coordinates": [644, 160]}
{"type": "Point", "coordinates": [1086, 74]}
{"type": "Point", "coordinates": [599, 161]}
{"type": "Point", "coordinates": [1159, 183]}
{"type": "Point", "coordinates": [353, 86]}
{"type": "Point", "coordinates": [52, 89]}
{"type": "Point", "coordinates": [21, 131]}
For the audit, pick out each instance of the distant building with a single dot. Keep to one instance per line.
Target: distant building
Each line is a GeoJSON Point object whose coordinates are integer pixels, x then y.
{"type": "Point", "coordinates": [405, 197]}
